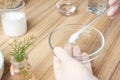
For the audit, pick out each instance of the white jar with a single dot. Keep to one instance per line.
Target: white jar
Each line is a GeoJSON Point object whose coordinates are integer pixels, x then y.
{"type": "Point", "coordinates": [14, 21]}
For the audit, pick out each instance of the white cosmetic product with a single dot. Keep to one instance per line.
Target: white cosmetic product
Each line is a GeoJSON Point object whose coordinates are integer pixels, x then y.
{"type": "Point", "coordinates": [73, 38]}
{"type": "Point", "coordinates": [14, 23]}
{"type": "Point", "coordinates": [1, 64]}
{"type": "Point", "coordinates": [75, 35]}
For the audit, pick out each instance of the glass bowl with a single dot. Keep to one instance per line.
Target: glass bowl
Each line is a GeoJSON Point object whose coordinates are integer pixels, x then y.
{"type": "Point", "coordinates": [91, 40]}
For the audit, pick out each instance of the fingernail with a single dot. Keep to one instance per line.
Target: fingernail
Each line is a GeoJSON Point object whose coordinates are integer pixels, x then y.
{"type": "Point", "coordinates": [111, 2]}
{"type": "Point", "coordinates": [111, 11]}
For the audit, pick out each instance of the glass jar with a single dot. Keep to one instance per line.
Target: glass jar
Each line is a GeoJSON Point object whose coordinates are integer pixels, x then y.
{"type": "Point", "coordinates": [67, 7]}
{"type": "Point", "coordinates": [20, 70]}
{"type": "Point", "coordinates": [97, 6]}
{"type": "Point", "coordinates": [14, 20]}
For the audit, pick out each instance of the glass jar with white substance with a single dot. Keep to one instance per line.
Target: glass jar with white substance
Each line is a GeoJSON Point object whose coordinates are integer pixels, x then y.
{"type": "Point", "coordinates": [14, 20]}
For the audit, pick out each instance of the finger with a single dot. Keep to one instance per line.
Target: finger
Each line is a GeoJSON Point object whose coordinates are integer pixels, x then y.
{"type": "Point", "coordinates": [57, 61]}
{"type": "Point", "coordinates": [77, 53]}
{"type": "Point", "coordinates": [62, 55]}
{"type": "Point", "coordinates": [113, 11]}
{"type": "Point", "coordinates": [112, 2]}
{"type": "Point", "coordinates": [85, 57]}
{"type": "Point", "coordinates": [68, 48]}
{"type": "Point", "coordinates": [57, 68]}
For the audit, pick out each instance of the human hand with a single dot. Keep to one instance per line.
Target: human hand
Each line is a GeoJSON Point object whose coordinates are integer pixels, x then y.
{"type": "Point", "coordinates": [68, 68]}
{"type": "Point", "coordinates": [115, 4]}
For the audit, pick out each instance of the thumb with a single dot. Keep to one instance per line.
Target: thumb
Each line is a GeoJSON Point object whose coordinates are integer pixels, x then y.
{"type": "Point", "coordinates": [62, 55]}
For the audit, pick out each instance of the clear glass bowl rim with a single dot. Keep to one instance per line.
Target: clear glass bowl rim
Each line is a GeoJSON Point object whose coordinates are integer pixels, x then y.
{"type": "Point", "coordinates": [92, 54]}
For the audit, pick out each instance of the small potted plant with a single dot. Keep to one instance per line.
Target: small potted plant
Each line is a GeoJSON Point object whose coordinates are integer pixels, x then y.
{"type": "Point", "coordinates": [20, 68]}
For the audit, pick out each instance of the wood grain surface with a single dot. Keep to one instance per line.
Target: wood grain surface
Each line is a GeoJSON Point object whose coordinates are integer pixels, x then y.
{"type": "Point", "coordinates": [42, 18]}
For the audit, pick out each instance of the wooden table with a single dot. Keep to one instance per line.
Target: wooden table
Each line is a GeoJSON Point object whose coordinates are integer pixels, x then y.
{"type": "Point", "coordinates": [42, 18]}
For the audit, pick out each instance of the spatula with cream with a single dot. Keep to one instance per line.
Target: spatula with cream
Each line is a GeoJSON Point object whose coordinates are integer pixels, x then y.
{"type": "Point", "coordinates": [75, 35]}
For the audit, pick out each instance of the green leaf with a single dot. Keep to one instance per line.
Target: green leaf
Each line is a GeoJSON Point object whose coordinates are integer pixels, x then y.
{"type": "Point", "coordinates": [19, 48]}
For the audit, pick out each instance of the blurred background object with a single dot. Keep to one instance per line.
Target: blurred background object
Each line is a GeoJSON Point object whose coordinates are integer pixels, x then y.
{"type": "Point", "coordinates": [67, 7]}
{"type": "Point", "coordinates": [97, 6]}
{"type": "Point", "coordinates": [1, 64]}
